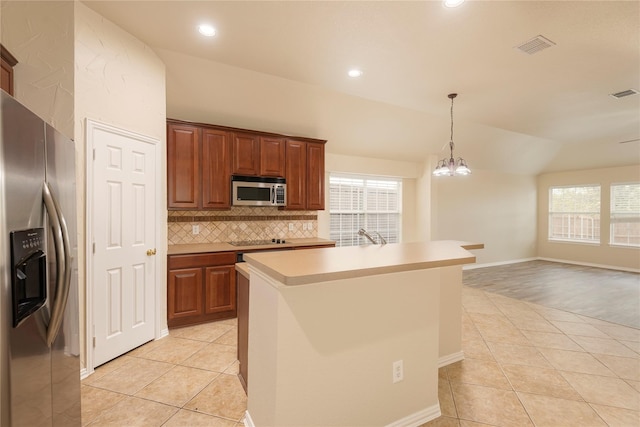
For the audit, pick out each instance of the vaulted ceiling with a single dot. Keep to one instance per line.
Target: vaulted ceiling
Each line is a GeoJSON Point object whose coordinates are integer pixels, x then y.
{"type": "Point", "coordinates": [545, 111]}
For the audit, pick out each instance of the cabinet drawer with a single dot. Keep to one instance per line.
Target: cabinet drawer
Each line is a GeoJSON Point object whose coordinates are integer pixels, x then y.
{"type": "Point", "coordinates": [204, 260]}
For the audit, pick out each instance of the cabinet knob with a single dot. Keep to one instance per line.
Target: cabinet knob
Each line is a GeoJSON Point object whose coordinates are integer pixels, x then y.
{"type": "Point", "coordinates": [151, 252]}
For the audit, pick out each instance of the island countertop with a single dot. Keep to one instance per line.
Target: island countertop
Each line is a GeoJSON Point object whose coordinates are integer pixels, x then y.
{"type": "Point", "coordinates": [326, 264]}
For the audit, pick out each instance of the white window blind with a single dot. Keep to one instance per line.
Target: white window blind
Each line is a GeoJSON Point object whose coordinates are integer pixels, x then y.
{"type": "Point", "coordinates": [625, 214]}
{"type": "Point", "coordinates": [574, 214]}
{"type": "Point", "coordinates": [369, 202]}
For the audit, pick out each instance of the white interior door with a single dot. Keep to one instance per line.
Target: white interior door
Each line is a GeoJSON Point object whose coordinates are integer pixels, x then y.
{"type": "Point", "coordinates": [124, 240]}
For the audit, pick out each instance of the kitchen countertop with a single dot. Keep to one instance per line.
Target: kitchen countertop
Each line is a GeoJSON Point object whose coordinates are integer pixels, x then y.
{"type": "Point", "coordinates": [325, 264]}
{"type": "Point", "coordinates": [227, 247]}
{"type": "Point", "coordinates": [243, 269]}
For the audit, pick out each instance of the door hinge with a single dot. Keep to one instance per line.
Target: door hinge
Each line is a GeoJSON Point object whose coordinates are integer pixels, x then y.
{"type": "Point", "coordinates": [94, 154]}
{"type": "Point", "coordinates": [94, 248]}
{"type": "Point", "coordinates": [94, 342]}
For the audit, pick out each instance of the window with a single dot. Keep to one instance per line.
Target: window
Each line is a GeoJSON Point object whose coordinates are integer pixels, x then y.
{"type": "Point", "coordinates": [574, 214]}
{"type": "Point", "coordinates": [625, 214]}
{"type": "Point", "coordinates": [372, 203]}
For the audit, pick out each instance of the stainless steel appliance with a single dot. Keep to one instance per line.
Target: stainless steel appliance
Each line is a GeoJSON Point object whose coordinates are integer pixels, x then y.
{"type": "Point", "coordinates": [258, 191]}
{"type": "Point", "coordinates": [39, 329]}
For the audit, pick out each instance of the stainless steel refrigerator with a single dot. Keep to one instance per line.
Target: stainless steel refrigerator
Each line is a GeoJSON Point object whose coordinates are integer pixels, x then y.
{"type": "Point", "coordinates": [39, 329]}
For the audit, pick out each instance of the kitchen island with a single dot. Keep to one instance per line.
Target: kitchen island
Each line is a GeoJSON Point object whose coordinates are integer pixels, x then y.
{"type": "Point", "coordinates": [353, 336]}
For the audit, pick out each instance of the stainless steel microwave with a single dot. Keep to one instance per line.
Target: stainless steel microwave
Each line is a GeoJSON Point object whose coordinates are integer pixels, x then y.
{"type": "Point", "coordinates": [258, 191]}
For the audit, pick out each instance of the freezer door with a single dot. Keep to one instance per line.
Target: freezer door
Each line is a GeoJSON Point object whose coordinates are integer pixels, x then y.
{"type": "Point", "coordinates": [65, 348]}
{"type": "Point", "coordinates": [25, 370]}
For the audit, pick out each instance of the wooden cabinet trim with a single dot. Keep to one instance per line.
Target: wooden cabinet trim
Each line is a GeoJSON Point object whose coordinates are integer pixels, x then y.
{"type": "Point", "coordinates": [240, 130]}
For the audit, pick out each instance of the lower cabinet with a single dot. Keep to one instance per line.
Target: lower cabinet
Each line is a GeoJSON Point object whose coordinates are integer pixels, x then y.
{"type": "Point", "coordinates": [201, 288]}
{"type": "Point", "coordinates": [243, 328]}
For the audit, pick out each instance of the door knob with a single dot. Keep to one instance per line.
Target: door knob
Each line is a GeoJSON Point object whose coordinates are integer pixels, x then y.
{"type": "Point", "coordinates": [151, 252]}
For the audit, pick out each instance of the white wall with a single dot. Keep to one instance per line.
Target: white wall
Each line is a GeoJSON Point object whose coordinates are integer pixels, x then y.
{"type": "Point", "coordinates": [602, 254]}
{"type": "Point", "coordinates": [487, 207]}
{"type": "Point", "coordinates": [119, 81]}
{"type": "Point", "coordinates": [40, 36]}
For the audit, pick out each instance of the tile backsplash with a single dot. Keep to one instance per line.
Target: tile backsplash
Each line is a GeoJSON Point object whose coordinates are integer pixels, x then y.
{"type": "Point", "coordinates": [240, 223]}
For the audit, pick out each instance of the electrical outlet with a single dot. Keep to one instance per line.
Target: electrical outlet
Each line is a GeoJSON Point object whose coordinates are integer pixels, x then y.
{"type": "Point", "coordinates": [290, 226]}
{"type": "Point", "coordinates": [310, 226]}
{"type": "Point", "coordinates": [304, 226]}
{"type": "Point", "coordinates": [398, 371]}
{"type": "Point", "coordinates": [195, 229]}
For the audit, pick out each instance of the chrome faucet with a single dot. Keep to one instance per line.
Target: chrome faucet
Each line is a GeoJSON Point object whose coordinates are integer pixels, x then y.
{"type": "Point", "coordinates": [363, 232]}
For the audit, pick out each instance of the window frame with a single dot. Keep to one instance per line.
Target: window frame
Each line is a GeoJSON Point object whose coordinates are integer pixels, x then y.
{"type": "Point", "coordinates": [597, 238]}
{"type": "Point", "coordinates": [613, 221]}
{"type": "Point", "coordinates": [355, 240]}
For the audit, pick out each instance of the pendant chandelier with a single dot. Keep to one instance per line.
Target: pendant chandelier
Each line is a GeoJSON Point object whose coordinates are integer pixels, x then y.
{"type": "Point", "coordinates": [451, 166]}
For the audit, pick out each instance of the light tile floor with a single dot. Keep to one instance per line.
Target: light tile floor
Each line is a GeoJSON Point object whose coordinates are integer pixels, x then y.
{"type": "Point", "coordinates": [525, 365]}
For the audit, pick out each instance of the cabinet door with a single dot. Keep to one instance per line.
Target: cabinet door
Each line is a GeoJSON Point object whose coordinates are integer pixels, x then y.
{"type": "Point", "coordinates": [272, 156]}
{"type": "Point", "coordinates": [216, 169]}
{"type": "Point", "coordinates": [220, 289]}
{"type": "Point", "coordinates": [246, 154]}
{"type": "Point", "coordinates": [315, 176]}
{"type": "Point", "coordinates": [184, 293]}
{"type": "Point", "coordinates": [243, 328]}
{"type": "Point", "coordinates": [296, 175]}
{"type": "Point", "coordinates": [183, 167]}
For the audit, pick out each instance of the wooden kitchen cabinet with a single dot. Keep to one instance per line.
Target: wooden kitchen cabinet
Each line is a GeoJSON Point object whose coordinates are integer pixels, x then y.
{"type": "Point", "coordinates": [183, 166]}
{"type": "Point", "coordinates": [246, 154]}
{"type": "Point", "coordinates": [315, 176]}
{"type": "Point", "coordinates": [201, 158]}
{"type": "Point", "coordinates": [200, 288]}
{"type": "Point", "coordinates": [304, 175]}
{"type": "Point", "coordinates": [216, 169]}
{"type": "Point", "coordinates": [198, 167]}
{"type": "Point", "coordinates": [243, 328]}
{"type": "Point", "coordinates": [7, 62]}
{"type": "Point", "coordinates": [296, 174]}
{"type": "Point", "coordinates": [272, 156]}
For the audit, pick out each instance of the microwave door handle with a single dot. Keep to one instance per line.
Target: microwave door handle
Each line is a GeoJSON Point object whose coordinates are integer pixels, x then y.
{"type": "Point", "coordinates": [273, 195]}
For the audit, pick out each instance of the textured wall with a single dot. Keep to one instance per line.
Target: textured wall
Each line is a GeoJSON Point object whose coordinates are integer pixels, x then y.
{"type": "Point", "coordinates": [40, 35]}
{"type": "Point", "coordinates": [488, 207]}
{"type": "Point", "coordinates": [119, 81]}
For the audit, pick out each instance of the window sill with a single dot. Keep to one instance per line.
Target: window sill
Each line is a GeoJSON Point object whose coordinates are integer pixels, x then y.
{"type": "Point", "coordinates": [574, 242]}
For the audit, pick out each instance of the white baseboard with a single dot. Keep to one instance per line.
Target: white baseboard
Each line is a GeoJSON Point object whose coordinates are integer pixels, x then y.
{"type": "Point", "coordinates": [248, 422]}
{"type": "Point", "coordinates": [414, 420]}
{"type": "Point", "coordinates": [84, 373]}
{"type": "Point", "coordinates": [450, 358]}
{"type": "Point", "coordinates": [163, 333]}
{"type": "Point", "coordinates": [418, 418]}
{"type": "Point", "coordinates": [589, 264]}
{"type": "Point", "coordinates": [495, 264]}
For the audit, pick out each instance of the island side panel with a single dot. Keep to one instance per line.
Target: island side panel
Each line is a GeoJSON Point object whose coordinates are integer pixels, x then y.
{"type": "Point", "coordinates": [334, 344]}
{"type": "Point", "coordinates": [450, 315]}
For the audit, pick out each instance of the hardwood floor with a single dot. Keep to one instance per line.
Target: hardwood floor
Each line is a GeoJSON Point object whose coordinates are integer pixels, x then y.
{"type": "Point", "coordinates": [609, 295]}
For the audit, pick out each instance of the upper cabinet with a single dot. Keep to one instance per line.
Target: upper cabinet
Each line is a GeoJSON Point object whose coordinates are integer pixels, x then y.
{"type": "Point", "coordinates": [272, 153]}
{"type": "Point", "coordinates": [183, 166]}
{"type": "Point", "coordinates": [304, 175]}
{"type": "Point", "coordinates": [246, 154]}
{"type": "Point", "coordinates": [7, 62]}
{"type": "Point", "coordinates": [201, 159]}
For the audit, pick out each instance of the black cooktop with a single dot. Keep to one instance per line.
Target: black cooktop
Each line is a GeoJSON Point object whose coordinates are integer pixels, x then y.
{"type": "Point", "coordinates": [258, 242]}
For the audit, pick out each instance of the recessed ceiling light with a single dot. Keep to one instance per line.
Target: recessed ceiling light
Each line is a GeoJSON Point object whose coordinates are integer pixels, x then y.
{"type": "Point", "coordinates": [207, 30]}
{"type": "Point", "coordinates": [354, 73]}
{"type": "Point", "coordinates": [452, 3]}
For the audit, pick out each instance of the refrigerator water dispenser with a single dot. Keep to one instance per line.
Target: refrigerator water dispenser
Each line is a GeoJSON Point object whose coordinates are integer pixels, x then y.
{"type": "Point", "coordinates": [28, 273]}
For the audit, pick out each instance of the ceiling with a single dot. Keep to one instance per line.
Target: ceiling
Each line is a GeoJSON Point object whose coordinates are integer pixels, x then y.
{"type": "Point", "coordinates": [546, 111]}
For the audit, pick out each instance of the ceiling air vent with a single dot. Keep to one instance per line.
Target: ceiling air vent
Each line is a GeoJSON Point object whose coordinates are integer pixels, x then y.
{"type": "Point", "coordinates": [535, 45]}
{"type": "Point", "coordinates": [624, 93]}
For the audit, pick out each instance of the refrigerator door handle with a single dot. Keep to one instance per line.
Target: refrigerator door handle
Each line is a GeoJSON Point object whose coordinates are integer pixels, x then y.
{"type": "Point", "coordinates": [63, 263]}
